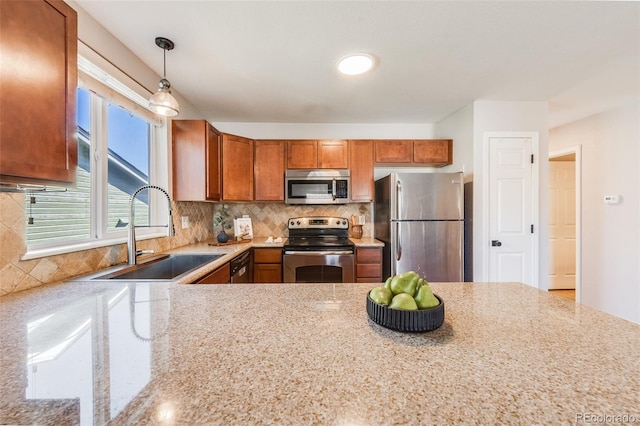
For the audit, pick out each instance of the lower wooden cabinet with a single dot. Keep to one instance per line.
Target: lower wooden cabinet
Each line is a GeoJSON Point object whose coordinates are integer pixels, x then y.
{"type": "Point", "coordinates": [222, 275]}
{"type": "Point", "coordinates": [267, 265]}
{"type": "Point", "coordinates": [368, 264]}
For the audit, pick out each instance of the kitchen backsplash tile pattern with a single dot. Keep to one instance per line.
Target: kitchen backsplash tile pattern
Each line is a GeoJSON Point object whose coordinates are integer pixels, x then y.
{"type": "Point", "coordinates": [268, 219]}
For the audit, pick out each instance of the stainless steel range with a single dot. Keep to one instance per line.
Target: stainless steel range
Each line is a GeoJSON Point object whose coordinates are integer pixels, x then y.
{"type": "Point", "coordinates": [318, 250]}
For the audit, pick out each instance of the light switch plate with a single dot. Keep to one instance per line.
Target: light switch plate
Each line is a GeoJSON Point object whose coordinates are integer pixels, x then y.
{"type": "Point", "coordinates": [185, 222]}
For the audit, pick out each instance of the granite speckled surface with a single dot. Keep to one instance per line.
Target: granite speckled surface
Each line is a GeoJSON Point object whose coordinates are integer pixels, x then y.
{"type": "Point", "coordinates": [169, 354]}
{"type": "Point", "coordinates": [366, 242]}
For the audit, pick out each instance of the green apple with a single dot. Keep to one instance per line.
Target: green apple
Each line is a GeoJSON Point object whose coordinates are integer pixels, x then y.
{"type": "Point", "coordinates": [425, 298]}
{"type": "Point", "coordinates": [405, 283]}
{"type": "Point", "coordinates": [403, 301]}
{"type": "Point", "coordinates": [381, 295]}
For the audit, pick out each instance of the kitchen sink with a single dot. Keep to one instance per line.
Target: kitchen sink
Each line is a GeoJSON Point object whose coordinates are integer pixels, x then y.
{"type": "Point", "coordinates": [164, 268]}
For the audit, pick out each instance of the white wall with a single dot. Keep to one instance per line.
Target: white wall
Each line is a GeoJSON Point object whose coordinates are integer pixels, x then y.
{"type": "Point", "coordinates": [492, 116]}
{"type": "Point", "coordinates": [610, 233]}
{"type": "Point", "coordinates": [459, 127]}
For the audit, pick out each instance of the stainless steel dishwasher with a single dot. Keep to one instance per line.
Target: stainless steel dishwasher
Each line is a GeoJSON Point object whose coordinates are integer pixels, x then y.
{"type": "Point", "coordinates": [240, 267]}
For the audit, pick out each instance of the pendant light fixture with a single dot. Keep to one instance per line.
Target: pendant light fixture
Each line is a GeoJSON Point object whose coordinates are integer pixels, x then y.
{"type": "Point", "coordinates": [163, 101]}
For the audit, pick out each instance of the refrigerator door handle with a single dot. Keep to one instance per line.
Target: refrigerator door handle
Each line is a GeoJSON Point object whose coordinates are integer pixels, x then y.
{"type": "Point", "coordinates": [398, 199]}
{"type": "Point", "coordinates": [398, 228]}
{"type": "Point", "coordinates": [398, 244]}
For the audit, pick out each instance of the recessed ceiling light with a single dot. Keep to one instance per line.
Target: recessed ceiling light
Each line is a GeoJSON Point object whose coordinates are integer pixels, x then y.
{"type": "Point", "coordinates": [355, 64]}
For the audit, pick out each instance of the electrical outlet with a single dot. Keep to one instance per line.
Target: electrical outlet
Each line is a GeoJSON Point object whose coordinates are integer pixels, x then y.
{"type": "Point", "coordinates": [185, 222]}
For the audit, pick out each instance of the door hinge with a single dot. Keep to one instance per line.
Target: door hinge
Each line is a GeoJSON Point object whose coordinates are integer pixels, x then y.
{"type": "Point", "coordinates": [532, 228]}
{"type": "Point", "coordinates": [531, 158]}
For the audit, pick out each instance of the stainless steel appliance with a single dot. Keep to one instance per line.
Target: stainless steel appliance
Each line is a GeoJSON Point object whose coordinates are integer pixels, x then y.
{"type": "Point", "coordinates": [318, 250]}
{"type": "Point", "coordinates": [420, 219]}
{"type": "Point", "coordinates": [240, 268]}
{"type": "Point", "coordinates": [317, 186]}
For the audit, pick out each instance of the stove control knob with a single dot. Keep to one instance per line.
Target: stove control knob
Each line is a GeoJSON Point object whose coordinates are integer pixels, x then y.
{"type": "Point", "coordinates": [344, 222]}
{"type": "Point", "coordinates": [337, 222]}
{"type": "Point", "coordinates": [298, 222]}
{"type": "Point", "coordinates": [291, 223]}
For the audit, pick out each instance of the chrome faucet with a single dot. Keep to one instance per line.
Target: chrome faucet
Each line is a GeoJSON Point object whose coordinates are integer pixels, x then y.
{"type": "Point", "coordinates": [132, 253]}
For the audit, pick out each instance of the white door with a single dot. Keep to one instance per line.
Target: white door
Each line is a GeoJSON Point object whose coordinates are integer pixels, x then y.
{"type": "Point", "coordinates": [511, 246]}
{"type": "Point", "coordinates": [562, 225]}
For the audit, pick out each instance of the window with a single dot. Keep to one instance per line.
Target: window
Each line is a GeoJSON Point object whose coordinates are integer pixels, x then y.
{"type": "Point", "coordinates": [118, 151]}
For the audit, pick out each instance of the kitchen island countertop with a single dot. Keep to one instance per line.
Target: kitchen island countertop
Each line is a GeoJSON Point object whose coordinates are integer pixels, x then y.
{"type": "Point", "coordinates": [165, 353]}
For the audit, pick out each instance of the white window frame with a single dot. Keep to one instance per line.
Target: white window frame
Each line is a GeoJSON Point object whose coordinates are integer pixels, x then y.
{"type": "Point", "coordinates": [121, 92]}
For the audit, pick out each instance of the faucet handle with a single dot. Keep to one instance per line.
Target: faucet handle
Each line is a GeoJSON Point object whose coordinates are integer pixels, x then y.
{"type": "Point", "coordinates": [139, 252]}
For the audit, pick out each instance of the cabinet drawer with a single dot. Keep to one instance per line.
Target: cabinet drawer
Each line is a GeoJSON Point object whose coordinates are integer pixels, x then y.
{"type": "Point", "coordinates": [268, 255]}
{"type": "Point", "coordinates": [368, 271]}
{"type": "Point", "coordinates": [372, 255]}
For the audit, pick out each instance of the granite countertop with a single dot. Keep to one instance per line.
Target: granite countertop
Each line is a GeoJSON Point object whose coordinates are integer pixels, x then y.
{"type": "Point", "coordinates": [366, 242]}
{"type": "Point", "coordinates": [168, 354]}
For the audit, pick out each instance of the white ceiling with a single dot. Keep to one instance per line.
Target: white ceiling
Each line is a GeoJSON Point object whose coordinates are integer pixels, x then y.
{"type": "Point", "coordinates": [274, 61]}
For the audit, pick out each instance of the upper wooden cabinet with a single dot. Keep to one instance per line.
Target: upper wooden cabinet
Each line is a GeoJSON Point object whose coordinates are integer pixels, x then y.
{"type": "Point", "coordinates": [237, 168]}
{"type": "Point", "coordinates": [333, 154]}
{"type": "Point", "coordinates": [317, 154]}
{"type": "Point", "coordinates": [38, 84]}
{"type": "Point", "coordinates": [426, 152]}
{"type": "Point", "coordinates": [196, 161]}
{"type": "Point", "coordinates": [393, 151]}
{"type": "Point", "coordinates": [436, 152]}
{"type": "Point", "coordinates": [268, 169]}
{"type": "Point", "coordinates": [302, 154]}
{"type": "Point", "coordinates": [361, 160]}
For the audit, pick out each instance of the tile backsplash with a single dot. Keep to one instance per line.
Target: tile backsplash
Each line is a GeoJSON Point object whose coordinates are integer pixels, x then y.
{"type": "Point", "coordinates": [268, 219]}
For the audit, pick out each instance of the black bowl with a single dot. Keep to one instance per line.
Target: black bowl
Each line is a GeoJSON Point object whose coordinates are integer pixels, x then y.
{"type": "Point", "coordinates": [411, 321]}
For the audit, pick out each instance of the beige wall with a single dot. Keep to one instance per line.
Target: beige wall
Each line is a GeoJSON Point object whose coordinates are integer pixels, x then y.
{"type": "Point", "coordinates": [610, 233]}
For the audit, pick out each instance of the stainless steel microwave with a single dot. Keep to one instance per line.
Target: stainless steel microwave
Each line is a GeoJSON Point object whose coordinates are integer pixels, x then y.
{"type": "Point", "coordinates": [317, 186]}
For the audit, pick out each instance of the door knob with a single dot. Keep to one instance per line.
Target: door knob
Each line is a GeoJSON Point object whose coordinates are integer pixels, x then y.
{"type": "Point", "coordinates": [495, 243]}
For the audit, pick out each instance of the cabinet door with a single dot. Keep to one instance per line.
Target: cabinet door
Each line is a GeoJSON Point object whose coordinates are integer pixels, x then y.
{"type": "Point", "coordinates": [38, 78]}
{"type": "Point", "coordinates": [369, 264]}
{"type": "Point", "coordinates": [436, 152]}
{"type": "Point", "coordinates": [269, 169]}
{"type": "Point", "coordinates": [267, 273]}
{"type": "Point", "coordinates": [237, 168]}
{"type": "Point", "coordinates": [361, 161]}
{"type": "Point", "coordinates": [393, 151]}
{"type": "Point", "coordinates": [333, 154]}
{"type": "Point", "coordinates": [222, 275]}
{"type": "Point", "coordinates": [196, 161]}
{"type": "Point", "coordinates": [302, 154]}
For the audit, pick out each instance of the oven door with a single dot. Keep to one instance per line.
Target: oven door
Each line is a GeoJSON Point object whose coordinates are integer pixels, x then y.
{"type": "Point", "coordinates": [318, 267]}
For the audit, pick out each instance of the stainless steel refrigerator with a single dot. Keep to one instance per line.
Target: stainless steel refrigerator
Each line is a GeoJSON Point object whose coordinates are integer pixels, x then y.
{"type": "Point", "coordinates": [420, 219]}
